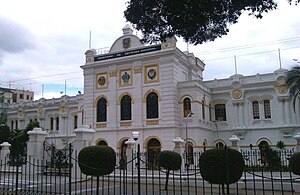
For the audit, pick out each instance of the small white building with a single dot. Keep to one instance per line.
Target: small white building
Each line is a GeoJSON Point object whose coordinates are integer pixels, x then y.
{"type": "Point", "coordinates": [160, 92]}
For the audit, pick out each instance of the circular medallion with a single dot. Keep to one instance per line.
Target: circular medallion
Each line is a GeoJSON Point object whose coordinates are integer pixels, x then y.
{"type": "Point", "coordinates": [236, 94]}
{"type": "Point", "coordinates": [152, 73]}
{"type": "Point", "coordinates": [102, 80]}
{"type": "Point", "coordinates": [125, 77]}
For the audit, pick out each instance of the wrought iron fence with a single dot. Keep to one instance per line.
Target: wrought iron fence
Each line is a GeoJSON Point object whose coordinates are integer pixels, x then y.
{"type": "Point", "coordinates": [140, 176]}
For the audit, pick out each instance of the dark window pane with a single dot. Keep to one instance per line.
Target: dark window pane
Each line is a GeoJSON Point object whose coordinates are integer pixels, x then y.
{"type": "Point", "coordinates": [126, 108]}
{"type": "Point", "coordinates": [220, 112]}
{"type": "Point", "coordinates": [152, 105]}
{"type": "Point", "coordinates": [101, 110]}
{"type": "Point", "coordinates": [186, 106]}
{"type": "Point", "coordinates": [255, 108]}
{"type": "Point", "coordinates": [267, 109]}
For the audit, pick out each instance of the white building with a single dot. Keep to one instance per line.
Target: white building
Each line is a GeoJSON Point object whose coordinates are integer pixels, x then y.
{"type": "Point", "coordinates": [153, 89]}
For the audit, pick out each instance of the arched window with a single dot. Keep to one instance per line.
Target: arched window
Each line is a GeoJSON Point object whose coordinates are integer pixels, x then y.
{"type": "Point", "coordinates": [220, 112]}
{"type": "Point", "coordinates": [255, 108]}
{"type": "Point", "coordinates": [267, 109]}
{"type": "Point", "coordinates": [126, 108]}
{"type": "Point", "coordinates": [102, 110]}
{"type": "Point", "coordinates": [186, 106]}
{"type": "Point", "coordinates": [152, 105]}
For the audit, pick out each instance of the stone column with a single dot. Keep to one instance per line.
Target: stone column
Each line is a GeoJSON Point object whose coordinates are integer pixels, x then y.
{"type": "Point", "coordinates": [130, 151]}
{"type": "Point", "coordinates": [297, 138]}
{"type": "Point", "coordinates": [179, 148]}
{"type": "Point", "coordinates": [35, 144]}
{"type": "Point", "coordinates": [5, 151]}
{"type": "Point", "coordinates": [84, 137]}
{"type": "Point", "coordinates": [234, 142]}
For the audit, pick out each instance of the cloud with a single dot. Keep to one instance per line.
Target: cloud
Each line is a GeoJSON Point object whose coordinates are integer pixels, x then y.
{"type": "Point", "coordinates": [14, 38]}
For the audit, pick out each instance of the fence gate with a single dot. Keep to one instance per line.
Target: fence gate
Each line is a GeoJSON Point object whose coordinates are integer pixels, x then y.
{"type": "Point", "coordinates": [58, 173]}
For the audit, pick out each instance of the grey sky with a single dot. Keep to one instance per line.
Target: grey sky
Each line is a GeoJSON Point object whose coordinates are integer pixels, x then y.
{"type": "Point", "coordinates": [41, 39]}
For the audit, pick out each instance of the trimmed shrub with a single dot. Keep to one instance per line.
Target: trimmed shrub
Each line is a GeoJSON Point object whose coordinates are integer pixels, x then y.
{"type": "Point", "coordinates": [169, 160]}
{"type": "Point", "coordinates": [97, 160]}
{"type": "Point", "coordinates": [294, 163]}
{"type": "Point", "coordinates": [217, 168]}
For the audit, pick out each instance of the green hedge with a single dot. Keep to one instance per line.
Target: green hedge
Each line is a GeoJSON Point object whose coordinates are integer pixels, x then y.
{"type": "Point", "coordinates": [221, 165]}
{"type": "Point", "coordinates": [294, 163]}
{"type": "Point", "coordinates": [169, 160]}
{"type": "Point", "coordinates": [97, 160]}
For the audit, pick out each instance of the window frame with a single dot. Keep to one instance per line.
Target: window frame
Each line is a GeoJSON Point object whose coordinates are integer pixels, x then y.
{"type": "Point", "coordinates": [220, 112]}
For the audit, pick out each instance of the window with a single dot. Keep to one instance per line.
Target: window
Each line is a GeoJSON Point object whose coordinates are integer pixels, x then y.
{"type": "Point", "coordinates": [186, 106]}
{"type": "Point", "coordinates": [152, 105]}
{"type": "Point", "coordinates": [51, 123]}
{"type": "Point", "coordinates": [27, 97]}
{"type": "Point", "coordinates": [57, 123]}
{"type": "Point", "coordinates": [220, 112]}
{"type": "Point", "coordinates": [267, 109]}
{"type": "Point", "coordinates": [21, 96]}
{"type": "Point", "coordinates": [203, 109]}
{"type": "Point", "coordinates": [102, 110]}
{"type": "Point", "coordinates": [75, 121]}
{"type": "Point", "coordinates": [255, 107]}
{"type": "Point", "coordinates": [126, 108]}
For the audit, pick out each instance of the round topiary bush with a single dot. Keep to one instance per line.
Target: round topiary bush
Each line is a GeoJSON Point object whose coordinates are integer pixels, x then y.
{"type": "Point", "coordinates": [169, 160]}
{"type": "Point", "coordinates": [294, 163]}
{"type": "Point", "coordinates": [217, 168]}
{"type": "Point", "coordinates": [97, 160]}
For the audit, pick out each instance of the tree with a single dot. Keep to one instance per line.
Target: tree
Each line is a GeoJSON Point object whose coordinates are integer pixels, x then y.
{"type": "Point", "coordinates": [197, 21]}
{"type": "Point", "coordinates": [293, 82]}
{"type": "Point", "coordinates": [18, 141]}
{"type": "Point", "coordinates": [170, 161]}
{"type": "Point", "coordinates": [97, 161]}
{"type": "Point", "coordinates": [4, 133]}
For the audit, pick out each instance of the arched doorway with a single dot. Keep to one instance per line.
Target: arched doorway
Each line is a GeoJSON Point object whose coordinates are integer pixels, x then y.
{"type": "Point", "coordinates": [263, 145]}
{"type": "Point", "coordinates": [153, 150]}
{"type": "Point", "coordinates": [122, 153]}
{"type": "Point", "coordinates": [189, 154]}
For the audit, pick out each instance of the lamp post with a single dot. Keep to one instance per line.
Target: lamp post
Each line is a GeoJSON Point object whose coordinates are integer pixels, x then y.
{"type": "Point", "coordinates": [186, 139]}
{"type": "Point", "coordinates": [135, 135]}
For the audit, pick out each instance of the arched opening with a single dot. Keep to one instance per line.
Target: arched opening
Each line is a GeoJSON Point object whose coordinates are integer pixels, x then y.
{"type": "Point", "coordinates": [262, 146]}
{"type": "Point", "coordinates": [189, 153]}
{"type": "Point", "coordinates": [126, 108]}
{"type": "Point", "coordinates": [102, 143]}
{"type": "Point", "coordinates": [122, 153]}
{"type": "Point", "coordinates": [186, 107]}
{"type": "Point", "coordinates": [153, 150]}
{"type": "Point", "coordinates": [152, 105]}
{"type": "Point", "coordinates": [220, 144]}
{"type": "Point", "coordinates": [102, 110]}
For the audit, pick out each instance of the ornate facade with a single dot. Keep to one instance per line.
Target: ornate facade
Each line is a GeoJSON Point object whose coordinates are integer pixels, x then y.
{"type": "Point", "coordinates": [159, 91]}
